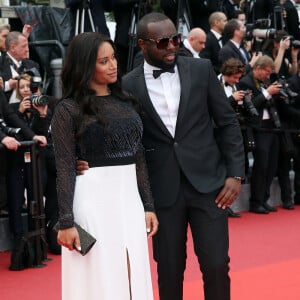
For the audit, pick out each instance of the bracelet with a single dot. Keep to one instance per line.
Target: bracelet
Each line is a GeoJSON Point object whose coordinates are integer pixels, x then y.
{"type": "Point", "coordinates": [43, 115]}
{"type": "Point", "coordinates": [238, 178]}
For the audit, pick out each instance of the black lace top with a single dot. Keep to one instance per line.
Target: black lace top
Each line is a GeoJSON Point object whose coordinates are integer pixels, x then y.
{"type": "Point", "coordinates": [116, 140]}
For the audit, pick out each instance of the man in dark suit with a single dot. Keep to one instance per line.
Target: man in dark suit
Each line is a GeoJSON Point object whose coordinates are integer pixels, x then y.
{"type": "Point", "coordinates": [234, 32]}
{"type": "Point", "coordinates": [265, 152]}
{"type": "Point", "coordinates": [193, 179]}
{"type": "Point", "coordinates": [217, 21]}
{"type": "Point", "coordinates": [15, 60]}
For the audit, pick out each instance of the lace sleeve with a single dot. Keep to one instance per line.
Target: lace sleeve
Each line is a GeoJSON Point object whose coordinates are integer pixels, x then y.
{"type": "Point", "coordinates": [63, 134]}
{"type": "Point", "coordinates": [143, 180]}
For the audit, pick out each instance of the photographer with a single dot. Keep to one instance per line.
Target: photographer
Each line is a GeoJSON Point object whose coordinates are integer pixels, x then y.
{"type": "Point", "coordinates": [231, 72]}
{"type": "Point", "coordinates": [8, 123]}
{"type": "Point", "coordinates": [283, 49]}
{"type": "Point", "coordinates": [265, 153]}
{"type": "Point", "coordinates": [290, 114]}
{"type": "Point", "coordinates": [33, 110]}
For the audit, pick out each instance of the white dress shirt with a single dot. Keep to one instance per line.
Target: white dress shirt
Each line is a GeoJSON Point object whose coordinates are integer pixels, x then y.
{"type": "Point", "coordinates": [164, 93]}
{"type": "Point", "coordinates": [218, 36]}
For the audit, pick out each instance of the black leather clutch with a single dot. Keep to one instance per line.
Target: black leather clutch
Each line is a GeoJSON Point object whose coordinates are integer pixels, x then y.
{"type": "Point", "coordinates": [87, 241]}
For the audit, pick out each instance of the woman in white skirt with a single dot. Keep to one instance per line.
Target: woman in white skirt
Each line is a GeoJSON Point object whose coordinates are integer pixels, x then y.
{"type": "Point", "coordinates": [98, 123]}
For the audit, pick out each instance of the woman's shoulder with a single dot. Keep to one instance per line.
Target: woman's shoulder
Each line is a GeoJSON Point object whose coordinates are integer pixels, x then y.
{"type": "Point", "coordinates": [67, 106]}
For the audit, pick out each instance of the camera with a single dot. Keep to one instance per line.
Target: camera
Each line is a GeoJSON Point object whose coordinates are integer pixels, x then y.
{"type": "Point", "coordinates": [39, 100]}
{"type": "Point", "coordinates": [260, 29]}
{"type": "Point", "coordinates": [10, 131]}
{"type": "Point", "coordinates": [294, 43]}
{"type": "Point", "coordinates": [270, 105]}
{"type": "Point", "coordinates": [285, 92]}
{"type": "Point", "coordinates": [35, 83]}
{"type": "Point", "coordinates": [248, 104]}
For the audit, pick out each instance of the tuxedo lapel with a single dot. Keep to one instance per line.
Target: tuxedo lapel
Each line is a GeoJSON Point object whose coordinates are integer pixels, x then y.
{"type": "Point", "coordinates": [146, 102]}
{"type": "Point", "coordinates": [185, 80]}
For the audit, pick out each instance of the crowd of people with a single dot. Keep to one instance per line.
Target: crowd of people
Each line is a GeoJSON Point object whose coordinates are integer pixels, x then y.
{"type": "Point", "coordinates": [147, 152]}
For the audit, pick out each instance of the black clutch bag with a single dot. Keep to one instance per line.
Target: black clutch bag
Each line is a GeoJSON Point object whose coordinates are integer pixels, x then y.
{"type": "Point", "coordinates": [87, 241]}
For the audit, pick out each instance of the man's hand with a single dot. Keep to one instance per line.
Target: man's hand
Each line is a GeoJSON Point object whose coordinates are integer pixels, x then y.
{"type": "Point", "coordinates": [12, 83]}
{"type": "Point", "coordinates": [274, 88]}
{"type": "Point", "coordinates": [238, 95]}
{"type": "Point", "coordinates": [81, 166]}
{"type": "Point", "coordinates": [27, 30]}
{"type": "Point", "coordinates": [41, 139]}
{"type": "Point", "coordinates": [229, 192]}
{"type": "Point", "coordinates": [10, 143]}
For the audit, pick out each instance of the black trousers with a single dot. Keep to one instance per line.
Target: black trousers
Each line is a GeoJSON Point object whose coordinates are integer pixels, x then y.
{"type": "Point", "coordinates": [265, 162]}
{"type": "Point", "coordinates": [209, 227]}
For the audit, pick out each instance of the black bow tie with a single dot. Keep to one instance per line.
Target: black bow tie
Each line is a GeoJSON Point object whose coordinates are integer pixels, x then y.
{"type": "Point", "coordinates": [227, 84]}
{"type": "Point", "coordinates": [156, 73]}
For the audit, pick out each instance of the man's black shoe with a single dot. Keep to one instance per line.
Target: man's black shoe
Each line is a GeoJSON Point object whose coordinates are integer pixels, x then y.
{"type": "Point", "coordinates": [259, 209]}
{"type": "Point", "coordinates": [269, 207]}
{"type": "Point", "coordinates": [288, 205]}
{"type": "Point", "coordinates": [232, 214]}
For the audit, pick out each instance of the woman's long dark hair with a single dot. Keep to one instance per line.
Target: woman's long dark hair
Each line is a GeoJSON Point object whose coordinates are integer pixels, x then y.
{"type": "Point", "coordinates": [79, 68]}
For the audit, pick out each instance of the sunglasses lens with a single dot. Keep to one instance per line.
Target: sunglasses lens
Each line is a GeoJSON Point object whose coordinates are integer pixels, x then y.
{"type": "Point", "coordinates": [176, 40]}
{"type": "Point", "coordinates": [164, 42]}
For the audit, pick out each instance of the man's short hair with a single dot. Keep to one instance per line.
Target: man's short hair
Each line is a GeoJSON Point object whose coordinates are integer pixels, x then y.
{"type": "Point", "coordinates": [263, 62]}
{"type": "Point", "coordinates": [142, 27]}
{"type": "Point", "coordinates": [214, 17]}
{"type": "Point", "coordinates": [232, 66]}
{"type": "Point", "coordinates": [230, 27]}
{"type": "Point", "coordinates": [12, 38]}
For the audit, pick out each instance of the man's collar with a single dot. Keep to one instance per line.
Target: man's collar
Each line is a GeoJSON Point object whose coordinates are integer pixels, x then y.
{"type": "Point", "coordinates": [188, 45]}
{"type": "Point", "coordinates": [17, 63]}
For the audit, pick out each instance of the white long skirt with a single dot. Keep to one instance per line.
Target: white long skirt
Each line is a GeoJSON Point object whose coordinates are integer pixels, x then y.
{"type": "Point", "coordinates": [108, 205]}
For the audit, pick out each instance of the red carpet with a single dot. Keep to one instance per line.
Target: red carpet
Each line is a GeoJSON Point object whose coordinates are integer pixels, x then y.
{"type": "Point", "coordinates": [265, 264]}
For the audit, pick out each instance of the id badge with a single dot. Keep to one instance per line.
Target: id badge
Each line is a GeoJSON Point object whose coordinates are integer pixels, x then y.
{"type": "Point", "coordinates": [27, 157]}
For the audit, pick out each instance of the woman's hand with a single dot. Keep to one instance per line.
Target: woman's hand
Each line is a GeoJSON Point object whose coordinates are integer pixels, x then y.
{"type": "Point", "coordinates": [42, 110]}
{"type": "Point", "coordinates": [24, 105]}
{"type": "Point", "coordinates": [151, 223]}
{"type": "Point", "coordinates": [69, 238]}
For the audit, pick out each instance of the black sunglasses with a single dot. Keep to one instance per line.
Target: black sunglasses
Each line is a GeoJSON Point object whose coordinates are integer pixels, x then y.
{"type": "Point", "coordinates": [163, 43]}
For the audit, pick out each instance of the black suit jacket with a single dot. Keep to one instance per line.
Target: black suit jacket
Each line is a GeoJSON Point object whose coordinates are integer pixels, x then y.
{"type": "Point", "coordinates": [183, 51]}
{"type": "Point", "coordinates": [229, 50]}
{"type": "Point", "coordinates": [211, 51]}
{"type": "Point", "coordinates": [5, 70]}
{"type": "Point", "coordinates": [194, 150]}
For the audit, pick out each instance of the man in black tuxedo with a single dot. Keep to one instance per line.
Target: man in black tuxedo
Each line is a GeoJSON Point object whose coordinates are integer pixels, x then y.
{"type": "Point", "coordinates": [265, 153]}
{"type": "Point", "coordinates": [214, 43]}
{"type": "Point", "coordinates": [193, 178]}
{"type": "Point", "coordinates": [15, 60]}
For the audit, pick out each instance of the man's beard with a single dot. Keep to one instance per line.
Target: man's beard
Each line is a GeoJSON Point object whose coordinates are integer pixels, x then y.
{"type": "Point", "coordinates": [160, 63]}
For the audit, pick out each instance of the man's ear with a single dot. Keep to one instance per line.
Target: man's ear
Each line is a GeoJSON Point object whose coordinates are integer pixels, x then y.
{"type": "Point", "coordinates": [141, 44]}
